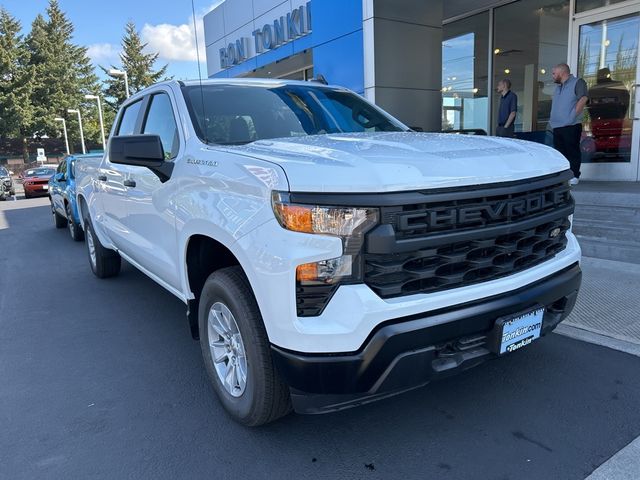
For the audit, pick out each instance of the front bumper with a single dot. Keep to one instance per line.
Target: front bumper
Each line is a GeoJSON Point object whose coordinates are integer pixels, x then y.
{"type": "Point", "coordinates": [36, 190]}
{"type": "Point", "coordinates": [408, 352]}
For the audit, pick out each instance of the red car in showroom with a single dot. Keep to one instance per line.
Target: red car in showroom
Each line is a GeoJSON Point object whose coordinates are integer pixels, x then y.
{"type": "Point", "coordinates": [36, 181]}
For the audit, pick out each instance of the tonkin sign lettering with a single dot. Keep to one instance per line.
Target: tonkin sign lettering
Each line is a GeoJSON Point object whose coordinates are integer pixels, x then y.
{"type": "Point", "coordinates": [283, 30]}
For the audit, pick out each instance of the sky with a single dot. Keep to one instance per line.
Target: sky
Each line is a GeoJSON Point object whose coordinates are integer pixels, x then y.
{"type": "Point", "coordinates": [166, 25]}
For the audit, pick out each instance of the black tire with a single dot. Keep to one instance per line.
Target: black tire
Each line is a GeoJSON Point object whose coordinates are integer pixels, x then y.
{"type": "Point", "coordinates": [74, 229]}
{"type": "Point", "coordinates": [58, 219]}
{"type": "Point", "coordinates": [265, 397]}
{"type": "Point", "coordinates": [107, 262]}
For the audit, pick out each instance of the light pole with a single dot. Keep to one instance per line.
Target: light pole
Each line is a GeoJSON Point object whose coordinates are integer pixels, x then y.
{"type": "Point", "coordinates": [96, 97]}
{"type": "Point", "coordinates": [73, 110]}
{"type": "Point", "coordinates": [64, 128]}
{"type": "Point", "coordinates": [114, 72]}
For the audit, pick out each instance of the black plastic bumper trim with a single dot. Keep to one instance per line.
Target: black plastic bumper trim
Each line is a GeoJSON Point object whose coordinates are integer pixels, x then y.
{"type": "Point", "coordinates": [405, 353]}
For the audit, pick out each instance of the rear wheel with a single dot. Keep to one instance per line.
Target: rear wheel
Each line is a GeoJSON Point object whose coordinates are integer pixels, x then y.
{"type": "Point", "coordinates": [104, 262]}
{"type": "Point", "coordinates": [236, 350]}
{"type": "Point", "coordinates": [58, 219]}
{"type": "Point", "coordinates": [74, 229]}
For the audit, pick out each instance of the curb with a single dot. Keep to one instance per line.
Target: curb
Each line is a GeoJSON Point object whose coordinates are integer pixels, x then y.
{"type": "Point", "coordinates": [624, 465]}
{"type": "Point", "coordinates": [598, 338]}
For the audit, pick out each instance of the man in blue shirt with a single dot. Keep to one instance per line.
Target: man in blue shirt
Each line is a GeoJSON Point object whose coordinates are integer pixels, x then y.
{"type": "Point", "coordinates": [567, 108]}
{"type": "Point", "coordinates": [507, 109]}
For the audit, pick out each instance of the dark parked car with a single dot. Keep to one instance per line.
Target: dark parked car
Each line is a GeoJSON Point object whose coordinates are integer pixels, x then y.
{"type": "Point", "coordinates": [36, 181]}
{"type": "Point", "coordinates": [6, 184]}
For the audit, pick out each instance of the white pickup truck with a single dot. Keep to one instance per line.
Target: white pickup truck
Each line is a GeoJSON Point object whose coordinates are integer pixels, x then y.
{"type": "Point", "coordinates": [328, 255]}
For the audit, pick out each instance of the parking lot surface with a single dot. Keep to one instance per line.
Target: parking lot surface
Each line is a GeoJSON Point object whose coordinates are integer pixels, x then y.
{"type": "Point", "coordinates": [100, 379]}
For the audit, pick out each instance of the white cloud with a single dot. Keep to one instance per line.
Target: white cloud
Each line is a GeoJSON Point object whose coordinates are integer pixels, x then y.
{"type": "Point", "coordinates": [177, 42]}
{"type": "Point", "coordinates": [104, 53]}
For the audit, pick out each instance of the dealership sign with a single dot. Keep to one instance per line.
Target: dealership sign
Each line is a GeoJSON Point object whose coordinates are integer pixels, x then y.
{"type": "Point", "coordinates": [282, 30]}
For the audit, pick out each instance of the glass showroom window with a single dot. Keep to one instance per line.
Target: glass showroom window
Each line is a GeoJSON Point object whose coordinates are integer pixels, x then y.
{"type": "Point", "coordinates": [464, 73]}
{"type": "Point", "coordinates": [530, 37]}
{"type": "Point", "coordinates": [584, 5]}
{"type": "Point", "coordinates": [608, 62]}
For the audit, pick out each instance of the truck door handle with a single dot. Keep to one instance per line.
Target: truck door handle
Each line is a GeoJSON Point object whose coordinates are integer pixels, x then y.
{"type": "Point", "coordinates": [129, 183]}
{"type": "Point", "coordinates": [102, 178]}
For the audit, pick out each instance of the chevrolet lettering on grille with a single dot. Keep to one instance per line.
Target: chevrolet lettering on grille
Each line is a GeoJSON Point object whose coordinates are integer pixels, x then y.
{"type": "Point", "coordinates": [491, 212]}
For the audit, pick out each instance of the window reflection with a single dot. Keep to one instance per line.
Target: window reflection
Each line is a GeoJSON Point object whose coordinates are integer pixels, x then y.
{"type": "Point", "coordinates": [584, 5]}
{"type": "Point", "coordinates": [530, 37]}
{"type": "Point", "coordinates": [464, 73]}
{"type": "Point", "coordinates": [607, 60]}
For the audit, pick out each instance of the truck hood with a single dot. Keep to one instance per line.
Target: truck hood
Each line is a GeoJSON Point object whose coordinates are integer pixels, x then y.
{"type": "Point", "coordinates": [396, 161]}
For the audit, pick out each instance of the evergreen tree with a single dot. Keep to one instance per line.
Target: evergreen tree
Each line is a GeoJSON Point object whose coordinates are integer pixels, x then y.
{"type": "Point", "coordinates": [138, 65]}
{"type": "Point", "coordinates": [15, 80]}
{"type": "Point", "coordinates": [62, 75]}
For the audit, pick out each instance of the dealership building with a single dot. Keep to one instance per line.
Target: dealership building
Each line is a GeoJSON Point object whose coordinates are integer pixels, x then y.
{"type": "Point", "coordinates": [435, 64]}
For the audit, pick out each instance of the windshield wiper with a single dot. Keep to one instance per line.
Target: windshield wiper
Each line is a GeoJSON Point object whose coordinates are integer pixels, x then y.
{"type": "Point", "coordinates": [233, 143]}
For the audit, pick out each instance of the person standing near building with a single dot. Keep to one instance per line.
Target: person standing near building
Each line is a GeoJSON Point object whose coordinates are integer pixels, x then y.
{"type": "Point", "coordinates": [507, 109]}
{"type": "Point", "coordinates": [567, 107]}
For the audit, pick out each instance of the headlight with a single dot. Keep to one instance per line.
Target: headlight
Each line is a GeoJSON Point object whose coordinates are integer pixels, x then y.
{"type": "Point", "coordinates": [348, 223]}
{"type": "Point", "coordinates": [338, 221]}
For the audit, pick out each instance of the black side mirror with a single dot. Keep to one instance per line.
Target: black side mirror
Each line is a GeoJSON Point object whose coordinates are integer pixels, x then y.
{"type": "Point", "coordinates": [137, 150]}
{"type": "Point", "coordinates": [140, 151]}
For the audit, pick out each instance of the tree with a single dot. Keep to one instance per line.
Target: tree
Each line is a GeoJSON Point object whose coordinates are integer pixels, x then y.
{"type": "Point", "coordinates": [62, 75]}
{"type": "Point", "coordinates": [16, 113]}
{"type": "Point", "coordinates": [137, 64]}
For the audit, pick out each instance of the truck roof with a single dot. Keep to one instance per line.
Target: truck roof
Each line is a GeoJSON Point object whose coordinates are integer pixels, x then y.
{"type": "Point", "coordinates": [253, 82]}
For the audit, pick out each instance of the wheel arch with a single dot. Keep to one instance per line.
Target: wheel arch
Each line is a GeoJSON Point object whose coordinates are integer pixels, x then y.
{"type": "Point", "coordinates": [204, 255]}
{"type": "Point", "coordinates": [82, 206]}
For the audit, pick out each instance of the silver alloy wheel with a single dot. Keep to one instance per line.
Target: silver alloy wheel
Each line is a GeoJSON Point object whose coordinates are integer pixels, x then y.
{"type": "Point", "coordinates": [227, 349]}
{"type": "Point", "coordinates": [92, 248]}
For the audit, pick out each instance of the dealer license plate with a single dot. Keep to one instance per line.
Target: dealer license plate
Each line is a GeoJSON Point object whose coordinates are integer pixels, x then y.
{"type": "Point", "coordinates": [520, 331]}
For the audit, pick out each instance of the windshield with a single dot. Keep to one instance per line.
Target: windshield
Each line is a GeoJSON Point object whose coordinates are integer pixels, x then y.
{"type": "Point", "coordinates": [39, 172]}
{"type": "Point", "coordinates": [4, 172]}
{"type": "Point", "coordinates": [239, 114]}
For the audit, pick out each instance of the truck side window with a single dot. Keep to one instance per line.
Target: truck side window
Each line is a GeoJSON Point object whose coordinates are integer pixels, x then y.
{"type": "Point", "coordinates": [161, 121]}
{"type": "Point", "coordinates": [128, 119]}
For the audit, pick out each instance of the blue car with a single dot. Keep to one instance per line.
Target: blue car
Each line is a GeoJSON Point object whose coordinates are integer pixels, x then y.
{"type": "Point", "coordinates": [62, 193]}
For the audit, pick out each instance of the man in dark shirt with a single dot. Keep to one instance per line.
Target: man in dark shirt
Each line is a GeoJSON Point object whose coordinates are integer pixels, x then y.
{"type": "Point", "coordinates": [507, 109]}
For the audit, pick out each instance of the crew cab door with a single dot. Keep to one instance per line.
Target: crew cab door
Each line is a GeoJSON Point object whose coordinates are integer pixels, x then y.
{"type": "Point", "coordinates": [150, 218]}
{"type": "Point", "coordinates": [111, 177]}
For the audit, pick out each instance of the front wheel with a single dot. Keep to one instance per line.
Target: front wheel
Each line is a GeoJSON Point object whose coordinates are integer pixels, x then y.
{"type": "Point", "coordinates": [104, 262]}
{"type": "Point", "coordinates": [236, 350]}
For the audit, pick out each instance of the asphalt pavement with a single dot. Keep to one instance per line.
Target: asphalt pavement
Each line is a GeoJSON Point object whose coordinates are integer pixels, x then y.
{"type": "Point", "coordinates": [100, 379]}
